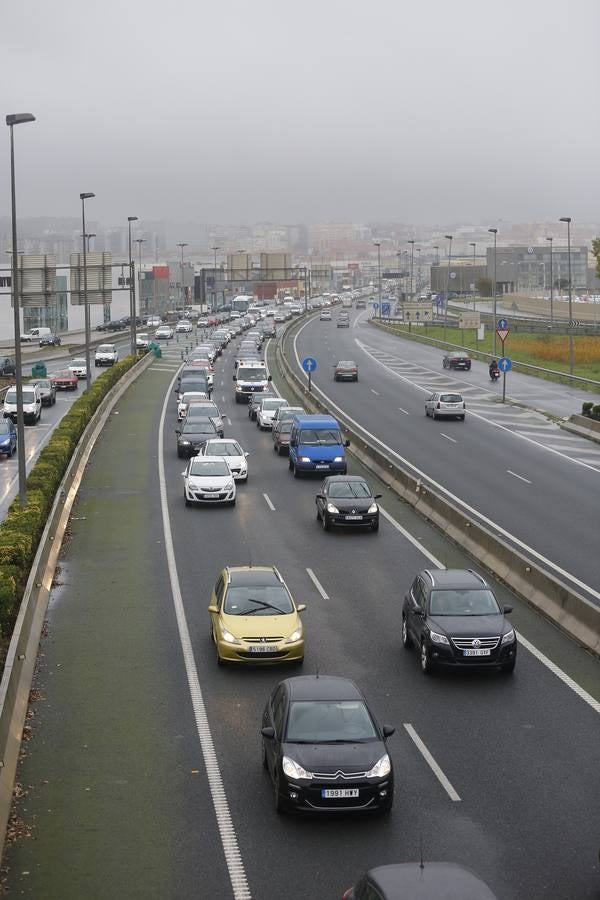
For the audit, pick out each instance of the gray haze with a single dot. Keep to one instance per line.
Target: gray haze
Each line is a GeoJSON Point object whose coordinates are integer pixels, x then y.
{"type": "Point", "coordinates": [315, 111]}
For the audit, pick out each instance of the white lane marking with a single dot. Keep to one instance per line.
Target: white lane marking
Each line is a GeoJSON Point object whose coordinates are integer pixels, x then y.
{"type": "Point", "coordinates": [233, 857]}
{"type": "Point", "coordinates": [443, 780]}
{"type": "Point", "coordinates": [405, 411]}
{"type": "Point", "coordinates": [223, 397]}
{"type": "Point", "coordinates": [317, 584]}
{"type": "Point", "coordinates": [375, 392]}
{"type": "Point", "coordinates": [520, 477]}
{"type": "Point", "coordinates": [448, 438]}
{"type": "Point", "coordinates": [269, 502]}
{"type": "Point", "coordinates": [566, 679]}
{"type": "Point", "coordinates": [491, 422]}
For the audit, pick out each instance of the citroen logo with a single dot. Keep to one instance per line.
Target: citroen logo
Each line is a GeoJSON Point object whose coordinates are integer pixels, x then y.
{"type": "Point", "coordinates": [476, 643]}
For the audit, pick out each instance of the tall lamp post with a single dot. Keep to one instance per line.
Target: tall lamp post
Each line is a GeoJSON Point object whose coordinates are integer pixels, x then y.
{"type": "Point", "coordinates": [399, 255]}
{"type": "Point", "coordinates": [494, 231]}
{"type": "Point", "coordinates": [139, 242]}
{"type": "Point", "coordinates": [474, 246]}
{"type": "Point", "coordinates": [568, 220]}
{"type": "Point", "coordinates": [412, 259]}
{"type": "Point", "coordinates": [449, 239]}
{"type": "Point", "coordinates": [551, 283]}
{"type": "Point", "coordinates": [182, 244]}
{"type": "Point", "coordinates": [214, 250]}
{"type": "Point", "coordinates": [418, 284]}
{"type": "Point", "coordinates": [11, 121]}
{"type": "Point", "coordinates": [378, 245]}
{"type": "Point", "coordinates": [88, 362]}
{"type": "Point", "coordinates": [132, 313]}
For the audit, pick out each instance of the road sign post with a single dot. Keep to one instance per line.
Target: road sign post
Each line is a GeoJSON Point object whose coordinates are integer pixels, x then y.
{"type": "Point", "coordinates": [505, 365]}
{"type": "Point", "coordinates": [309, 364]}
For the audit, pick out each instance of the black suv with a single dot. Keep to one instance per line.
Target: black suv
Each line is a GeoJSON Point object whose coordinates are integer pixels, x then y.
{"type": "Point", "coordinates": [454, 619]}
{"type": "Point", "coordinates": [7, 365]}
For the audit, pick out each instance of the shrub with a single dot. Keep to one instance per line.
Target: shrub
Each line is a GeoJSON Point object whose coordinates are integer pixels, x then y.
{"type": "Point", "coordinates": [596, 412]}
{"type": "Point", "coordinates": [586, 409]}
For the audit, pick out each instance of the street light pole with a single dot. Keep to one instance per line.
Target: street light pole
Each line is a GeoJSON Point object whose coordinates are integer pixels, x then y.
{"type": "Point", "coordinates": [473, 245]}
{"type": "Point", "coordinates": [11, 121]}
{"type": "Point", "coordinates": [551, 283]}
{"type": "Point", "coordinates": [182, 244]}
{"type": "Point", "coordinates": [448, 238]}
{"type": "Point", "coordinates": [568, 220]}
{"type": "Point", "coordinates": [139, 242]}
{"type": "Point", "coordinates": [418, 284]}
{"type": "Point", "coordinates": [378, 245]}
{"type": "Point", "coordinates": [399, 255]}
{"type": "Point", "coordinates": [214, 249]}
{"type": "Point", "coordinates": [88, 362]}
{"type": "Point", "coordinates": [494, 231]}
{"type": "Point", "coordinates": [412, 258]}
{"type": "Point", "coordinates": [132, 315]}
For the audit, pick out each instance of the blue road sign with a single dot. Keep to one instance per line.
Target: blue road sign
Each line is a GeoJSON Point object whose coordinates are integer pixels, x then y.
{"type": "Point", "coordinates": [386, 309]}
{"type": "Point", "coordinates": [502, 324]}
{"type": "Point", "coordinates": [440, 301]}
{"type": "Point", "coordinates": [309, 364]}
{"type": "Point", "coordinates": [505, 364]}
{"type": "Point", "coordinates": [375, 305]}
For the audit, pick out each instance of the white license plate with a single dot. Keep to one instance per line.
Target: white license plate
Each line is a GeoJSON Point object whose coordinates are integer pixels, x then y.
{"type": "Point", "coordinates": [354, 518]}
{"type": "Point", "coordinates": [453, 405]}
{"type": "Point", "coordinates": [476, 652]}
{"type": "Point", "coordinates": [264, 648]}
{"type": "Point", "coordinates": [333, 793]}
{"type": "Point", "coordinates": [321, 467]}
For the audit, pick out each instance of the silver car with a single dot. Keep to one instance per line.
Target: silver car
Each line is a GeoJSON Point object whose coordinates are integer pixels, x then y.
{"type": "Point", "coordinates": [443, 404]}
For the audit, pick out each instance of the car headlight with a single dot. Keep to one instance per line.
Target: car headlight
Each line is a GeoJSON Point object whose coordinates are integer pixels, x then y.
{"type": "Point", "coordinates": [294, 636]}
{"type": "Point", "coordinates": [373, 508]}
{"type": "Point", "coordinates": [338, 459]}
{"type": "Point", "coordinates": [228, 485]}
{"type": "Point", "coordinates": [228, 637]}
{"type": "Point", "coordinates": [381, 768]}
{"type": "Point", "coordinates": [305, 459]}
{"type": "Point", "coordinates": [438, 638]}
{"type": "Point", "coordinates": [331, 508]}
{"type": "Point", "coordinates": [508, 637]}
{"type": "Point", "coordinates": [293, 770]}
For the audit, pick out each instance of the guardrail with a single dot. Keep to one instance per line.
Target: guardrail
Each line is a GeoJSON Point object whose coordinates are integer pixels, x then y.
{"type": "Point", "coordinates": [556, 599]}
{"type": "Point", "coordinates": [23, 647]}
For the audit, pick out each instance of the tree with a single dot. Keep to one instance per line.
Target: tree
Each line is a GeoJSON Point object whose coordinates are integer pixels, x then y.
{"type": "Point", "coordinates": [596, 252]}
{"type": "Point", "coordinates": [484, 287]}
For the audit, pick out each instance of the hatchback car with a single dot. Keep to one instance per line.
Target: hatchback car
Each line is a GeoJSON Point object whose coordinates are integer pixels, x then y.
{"type": "Point", "coordinates": [325, 316]}
{"type": "Point", "coordinates": [186, 399]}
{"type": "Point", "coordinates": [347, 500]}
{"type": "Point", "coordinates": [454, 619]}
{"type": "Point", "coordinates": [266, 411]}
{"type": "Point", "coordinates": [254, 618]}
{"type": "Point", "coordinates": [47, 390]}
{"type": "Point", "coordinates": [206, 409]}
{"type": "Point", "coordinates": [324, 749]}
{"type": "Point", "coordinates": [8, 437]}
{"type": "Point", "coordinates": [345, 370]}
{"type": "Point", "coordinates": [445, 405]}
{"type": "Point", "coordinates": [254, 402]}
{"type": "Point", "coordinates": [208, 479]}
{"type": "Point", "coordinates": [78, 367]}
{"type": "Point", "coordinates": [343, 320]}
{"type": "Point", "coordinates": [458, 360]}
{"type": "Point", "coordinates": [281, 434]}
{"type": "Point", "coordinates": [50, 340]}
{"type": "Point", "coordinates": [142, 339]}
{"type": "Point", "coordinates": [420, 881]}
{"type": "Point", "coordinates": [164, 333]}
{"type": "Point", "coordinates": [184, 327]}
{"type": "Point", "coordinates": [192, 435]}
{"type": "Point", "coordinates": [237, 459]}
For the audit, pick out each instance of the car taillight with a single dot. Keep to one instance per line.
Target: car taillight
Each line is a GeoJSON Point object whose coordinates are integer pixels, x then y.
{"type": "Point", "coordinates": [347, 895]}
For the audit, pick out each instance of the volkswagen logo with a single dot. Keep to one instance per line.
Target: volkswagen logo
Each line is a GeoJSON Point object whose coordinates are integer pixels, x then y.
{"type": "Point", "coordinates": [476, 643]}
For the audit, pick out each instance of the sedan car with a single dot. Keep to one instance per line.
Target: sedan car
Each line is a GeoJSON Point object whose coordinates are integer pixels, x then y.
{"type": "Point", "coordinates": [78, 367]}
{"type": "Point", "coordinates": [192, 435]}
{"type": "Point", "coordinates": [347, 500]}
{"type": "Point", "coordinates": [206, 409]}
{"type": "Point", "coordinates": [345, 370]}
{"type": "Point", "coordinates": [266, 411]}
{"type": "Point", "coordinates": [325, 316]}
{"type": "Point", "coordinates": [164, 333]}
{"type": "Point", "coordinates": [343, 320]}
{"type": "Point", "coordinates": [454, 619]}
{"type": "Point", "coordinates": [442, 404]}
{"type": "Point", "coordinates": [254, 402]}
{"type": "Point", "coordinates": [254, 618]}
{"type": "Point", "coordinates": [324, 749]}
{"type": "Point", "coordinates": [142, 339]}
{"type": "Point", "coordinates": [419, 881]}
{"type": "Point", "coordinates": [8, 437]}
{"type": "Point", "coordinates": [231, 450]}
{"type": "Point", "coordinates": [184, 327]}
{"type": "Point", "coordinates": [47, 390]}
{"type": "Point", "coordinates": [208, 479]}
{"type": "Point", "coordinates": [64, 380]}
{"type": "Point", "coordinates": [50, 340]}
{"type": "Point", "coordinates": [457, 360]}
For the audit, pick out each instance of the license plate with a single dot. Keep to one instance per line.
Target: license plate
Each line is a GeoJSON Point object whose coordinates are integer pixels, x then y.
{"type": "Point", "coordinates": [354, 518]}
{"type": "Point", "coordinates": [264, 648]}
{"type": "Point", "coordinates": [333, 793]}
{"type": "Point", "coordinates": [476, 652]}
{"type": "Point", "coordinates": [321, 467]}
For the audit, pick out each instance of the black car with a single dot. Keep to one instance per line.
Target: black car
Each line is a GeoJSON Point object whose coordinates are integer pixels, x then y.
{"type": "Point", "coordinates": [200, 385]}
{"type": "Point", "coordinates": [457, 360]}
{"type": "Point", "coordinates": [419, 881]}
{"type": "Point", "coordinates": [50, 340]}
{"type": "Point", "coordinates": [7, 365]}
{"type": "Point", "coordinates": [347, 500]}
{"type": "Point", "coordinates": [453, 618]}
{"type": "Point", "coordinates": [323, 748]}
{"type": "Point", "coordinates": [345, 370]}
{"type": "Point", "coordinates": [192, 435]}
{"type": "Point", "coordinates": [115, 325]}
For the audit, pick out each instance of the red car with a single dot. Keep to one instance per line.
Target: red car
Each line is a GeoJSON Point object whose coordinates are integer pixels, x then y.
{"type": "Point", "coordinates": [64, 380]}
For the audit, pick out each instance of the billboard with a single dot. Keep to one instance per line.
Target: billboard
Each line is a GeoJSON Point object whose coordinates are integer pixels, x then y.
{"type": "Point", "coordinates": [99, 278]}
{"type": "Point", "coordinates": [37, 281]}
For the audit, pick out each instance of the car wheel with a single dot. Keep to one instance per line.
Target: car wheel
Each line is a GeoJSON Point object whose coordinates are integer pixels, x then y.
{"type": "Point", "coordinates": [509, 667]}
{"type": "Point", "coordinates": [325, 521]}
{"type": "Point", "coordinates": [279, 807]}
{"type": "Point", "coordinates": [185, 497]}
{"type": "Point", "coordinates": [375, 525]}
{"type": "Point", "coordinates": [434, 415]}
{"type": "Point", "coordinates": [462, 418]}
{"type": "Point", "coordinates": [232, 502]}
{"type": "Point", "coordinates": [356, 379]}
{"type": "Point", "coordinates": [406, 638]}
{"type": "Point", "coordinates": [426, 412]}
{"type": "Point", "coordinates": [263, 755]}
{"type": "Point", "coordinates": [275, 447]}
{"type": "Point", "coordinates": [180, 454]}
{"type": "Point", "coordinates": [426, 664]}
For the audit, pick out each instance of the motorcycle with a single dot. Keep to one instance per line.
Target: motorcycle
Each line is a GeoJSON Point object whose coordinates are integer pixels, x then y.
{"type": "Point", "coordinates": [494, 375]}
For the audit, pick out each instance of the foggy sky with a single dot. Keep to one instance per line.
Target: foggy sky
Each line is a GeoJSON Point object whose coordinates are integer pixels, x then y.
{"type": "Point", "coordinates": [319, 110]}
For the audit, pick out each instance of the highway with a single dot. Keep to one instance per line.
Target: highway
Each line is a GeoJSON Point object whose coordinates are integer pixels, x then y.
{"type": "Point", "coordinates": [512, 465]}
{"type": "Point", "coordinates": [135, 729]}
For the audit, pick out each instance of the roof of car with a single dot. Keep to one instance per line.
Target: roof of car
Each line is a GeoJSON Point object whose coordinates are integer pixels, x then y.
{"type": "Point", "coordinates": [246, 576]}
{"type": "Point", "coordinates": [336, 479]}
{"type": "Point", "coordinates": [411, 881]}
{"type": "Point", "coordinates": [322, 687]}
{"type": "Point", "coordinates": [455, 578]}
{"type": "Point", "coordinates": [309, 420]}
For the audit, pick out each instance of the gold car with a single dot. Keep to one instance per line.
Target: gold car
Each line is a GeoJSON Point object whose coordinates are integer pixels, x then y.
{"type": "Point", "coordinates": [254, 617]}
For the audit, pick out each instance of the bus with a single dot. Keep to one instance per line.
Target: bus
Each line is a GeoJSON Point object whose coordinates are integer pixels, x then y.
{"type": "Point", "coordinates": [241, 303]}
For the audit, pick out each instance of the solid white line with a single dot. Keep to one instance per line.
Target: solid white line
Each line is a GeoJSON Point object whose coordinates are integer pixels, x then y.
{"type": "Point", "coordinates": [431, 762]}
{"type": "Point", "coordinates": [520, 477]}
{"type": "Point", "coordinates": [317, 584]}
{"type": "Point", "coordinates": [233, 857]}
{"type": "Point", "coordinates": [566, 679]}
{"type": "Point", "coordinates": [405, 411]}
{"type": "Point", "coordinates": [268, 502]}
{"type": "Point", "coordinates": [375, 392]}
{"type": "Point", "coordinates": [448, 438]}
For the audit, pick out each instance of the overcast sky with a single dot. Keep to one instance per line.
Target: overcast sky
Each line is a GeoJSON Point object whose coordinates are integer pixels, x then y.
{"type": "Point", "coordinates": [320, 110]}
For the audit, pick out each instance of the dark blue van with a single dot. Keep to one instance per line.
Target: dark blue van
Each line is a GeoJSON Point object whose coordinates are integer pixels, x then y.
{"type": "Point", "coordinates": [317, 445]}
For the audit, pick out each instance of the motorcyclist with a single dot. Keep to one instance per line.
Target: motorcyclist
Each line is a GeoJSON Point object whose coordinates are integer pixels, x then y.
{"type": "Point", "coordinates": [494, 370]}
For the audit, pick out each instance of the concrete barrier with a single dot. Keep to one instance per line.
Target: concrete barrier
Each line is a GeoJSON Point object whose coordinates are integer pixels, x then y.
{"type": "Point", "coordinates": [558, 601]}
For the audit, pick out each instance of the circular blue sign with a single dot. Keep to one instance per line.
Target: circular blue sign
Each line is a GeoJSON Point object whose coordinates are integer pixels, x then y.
{"type": "Point", "coordinates": [375, 305]}
{"type": "Point", "coordinates": [309, 364]}
{"type": "Point", "coordinates": [504, 364]}
{"type": "Point", "coordinates": [502, 324]}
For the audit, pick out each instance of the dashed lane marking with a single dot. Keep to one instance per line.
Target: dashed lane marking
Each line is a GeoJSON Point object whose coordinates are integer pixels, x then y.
{"type": "Point", "coordinates": [435, 768]}
{"type": "Point", "coordinates": [317, 584]}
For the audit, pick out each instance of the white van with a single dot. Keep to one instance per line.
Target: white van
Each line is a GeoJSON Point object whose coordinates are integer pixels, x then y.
{"type": "Point", "coordinates": [106, 355]}
{"type": "Point", "coordinates": [35, 334]}
{"type": "Point", "coordinates": [32, 404]}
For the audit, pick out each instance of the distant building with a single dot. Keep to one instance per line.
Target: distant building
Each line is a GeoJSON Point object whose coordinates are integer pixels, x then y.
{"type": "Point", "coordinates": [526, 269]}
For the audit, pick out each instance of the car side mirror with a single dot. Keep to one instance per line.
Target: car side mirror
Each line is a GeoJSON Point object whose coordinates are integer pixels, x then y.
{"type": "Point", "coordinates": [346, 443]}
{"type": "Point", "coordinates": [507, 610]}
{"type": "Point", "coordinates": [246, 454]}
{"type": "Point", "coordinates": [213, 609]}
{"type": "Point", "coordinates": [301, 607]}
{"type": "Point", "coordinates": [177, 431]}
{"type": "Point", "coordinates": [320, 497]}
{"type": "Point", "coordinates": [388, 731]}
{"type": "Point", "coordinates": [378, 496]}
{"type": "Point", "coordinates": [234, 378]}
{"type": "Point", "coordinates": [268, 732]}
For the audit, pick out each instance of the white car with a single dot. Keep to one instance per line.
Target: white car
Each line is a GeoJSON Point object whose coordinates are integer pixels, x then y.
{"type": "Point", "coordinates": [236, 457]}
{"type": "Point", "coordinates": [106, 355]}
{"type": "Point", "coordinates": [142, 339]}
{"type": "Point", "coordinates": [78, 367]}
{"type": "Point", "coordinates": [325, 316]}
{"type": "Point", "coordinates": [164, 333]}
{"type": "Point", "coordinates": [208, 479]}
{"type": "Point", "coordinates": [443, 404]}
{"type": "Point", "coordinates": [184, 327]}
{"type": "Point", "coordinates": [153, 321]}
{"type": "Point", "coordinates": [266, 411]}
{"type": "Point", "coordinates": [186, 398]}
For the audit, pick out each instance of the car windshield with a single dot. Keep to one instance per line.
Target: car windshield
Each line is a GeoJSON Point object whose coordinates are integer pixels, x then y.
{"type": "Point", "coordinates": [190, 396]}
{"type": "Point", "coordinates": [257, 600]}
{"type": "Point", "coordinates": [206, 469]}
{"type": "Point", "coordinates": [273, 404]}
{"type": "Point", "coordinates": [320, 436]}
{"type": "Point", "coordinates": [451, 398]}
{"type": "Point", "coordinates": [228, 448]}
{"type": "Point", "coordinates": [469, 602]}
{"type": "Point", "coordinates": [248, 374]}
{"type": "Point", "coordinates": [346, 364]}
{"type": "Point", "coordinates": [285, 427]}
{"type": "Point", "coordinates": [28, 396]}
{"type": "Point", "coordinates": [78, 362]}
{"type": "Point", "coordinates": [329, 721]}
{"type": "Point", "coordinates": [43, 383]}
{"type": "Point", "coordinates": [346, 490]}
{"type": "Point", "coordinates": [106, 348]}
{"type": "Point", "coordinates": [202, 410]}
{"type": "Point", "coordinates": [199, 426]}
{"type": "Point", "coordinates": [4, 427]}
{"type": "Point", "coordinates": [193, 386]}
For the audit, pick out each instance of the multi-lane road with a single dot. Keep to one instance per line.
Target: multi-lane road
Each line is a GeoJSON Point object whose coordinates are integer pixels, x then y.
{"type": "Point", "coordinates": [143, 775]}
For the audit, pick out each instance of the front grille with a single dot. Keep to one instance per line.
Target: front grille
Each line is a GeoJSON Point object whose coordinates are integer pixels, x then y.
{"type": "Point", "coordinates": [276, 654]}
{"type": "Point", "coordinates": [333, 776]}
{"type": "Point", "coordinates": [263, 640]}
{"type": "Point", "coordinates": [484, 643]}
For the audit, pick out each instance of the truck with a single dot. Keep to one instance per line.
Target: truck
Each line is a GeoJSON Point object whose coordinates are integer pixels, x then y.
{"type": "Point", "coordinates": [250, 378]}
